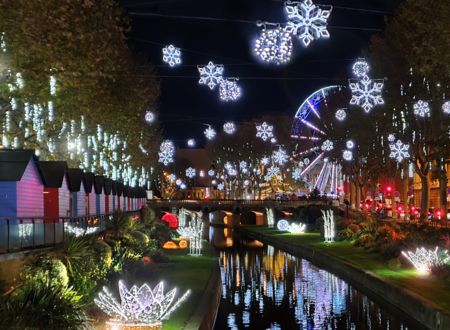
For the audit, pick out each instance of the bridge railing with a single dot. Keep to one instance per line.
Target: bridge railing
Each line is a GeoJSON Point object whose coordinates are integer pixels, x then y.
{"type": "Point", "coordinates": [18, 234]}
{"type": "Point", "coordinates": [245, 202]}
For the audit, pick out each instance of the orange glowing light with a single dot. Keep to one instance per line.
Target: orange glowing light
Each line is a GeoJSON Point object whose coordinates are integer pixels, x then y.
{"type": "Point", "coordinates": [170, 245]}
{"type": "Point", "coordinates": [183, 244]}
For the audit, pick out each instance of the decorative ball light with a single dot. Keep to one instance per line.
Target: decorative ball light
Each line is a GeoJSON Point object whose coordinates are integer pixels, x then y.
{"type": "Point", "coordinates": [274, 46]}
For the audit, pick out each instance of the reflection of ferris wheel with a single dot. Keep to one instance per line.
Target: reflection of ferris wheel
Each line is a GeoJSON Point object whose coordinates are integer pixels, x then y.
{"type": "Point", "coordinates": [314, 142]}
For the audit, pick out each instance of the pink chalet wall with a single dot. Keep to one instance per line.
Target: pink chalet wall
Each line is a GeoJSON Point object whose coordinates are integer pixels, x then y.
{"type": "Point", "coordinates": [64, 199]}
{"type": "Point", "coordinates": [81, 201]}
{"type": "Point", "coordinates": [30, 193]}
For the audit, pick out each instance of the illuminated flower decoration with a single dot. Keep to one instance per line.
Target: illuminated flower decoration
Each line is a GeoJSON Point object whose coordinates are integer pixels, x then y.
{"type": "Point", "coordinates": [361, 68]}
{"type": "Point", "coordinates": [391, 137]}
{"type": "Point", "coordinates": [172, 55]}
{"type": "Point", "coordinates": [307, 21]}
{"type": "Point", "coordinates": [210, 133]}
{"type": "Point", "coordinates": [283, 225]}
{"type": "Point", "coordinates": [399, 151]}
{"type": "Point", "coordinates": [424, 260]}
{"type": "Point", "coordinates": [279, 156]}
{"type": "Point", "coordinates": [190, 172]}
{"type": "Point", "coordinates": [210, 75]}
{"type": "Point", "coordinates": [347, 155]}
{"type": "Point", "coordinates": [229, 90]}
{"type": "Point", "coordinates": [149, 117]}
{"type": "Point", "coordinates": [422, 109]}
{"type": "Point", "coordinates": [229, 128]}
{"type": "Point", "coordinates": [166, 152]}
{"type": "Point", "coordinates": [350, 144]}
{"type": "Point", "coordinates": [139, 306]}
{"type": "Point", "coordinates": [341, 115]}
{"type": "Point", "coordinates": [274, 46]}
{"type": "Point", "coordinates": [297, 174]}
{"type": "Point", "coordinates": [264, 131]}
{"type": "Point", "coordinates": [446, 107]}
{"type": "Point", "coordinates": [327, 145]}
{"type": "Point", "coordinates": [366, 93]}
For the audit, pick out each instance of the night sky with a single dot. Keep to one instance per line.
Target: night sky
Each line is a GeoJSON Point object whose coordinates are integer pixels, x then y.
{"type": "Point", "coordinates": [185, 106]}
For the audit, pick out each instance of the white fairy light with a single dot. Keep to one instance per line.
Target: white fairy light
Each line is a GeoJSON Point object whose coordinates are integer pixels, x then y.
{"type": "Point", "coordinates": [327, 145]}
{"type": "Point", "coordinates": [328, 225]}
{"type": "Point", "coordinates": [361, 68]}
{"type": "Point", "coordinates": [171, 55]}
{"type": "Point", "coordinates": [270, 217]}
{"type": "Point", "coordinates": [139, 306]}
{"type": "Point", "coordinates": [210, 133]}
{"type": "Point", "coordinates": [191, 143]}
{"type": "Point", "coordinates": [399, 151]}
{"type": "Point", "coordinates": [283, 225]}
{"type": "Point", "coordinates": [79, 231]}
{"type": "Point", "coordinates": [52, 85]}
{"type": "Point", "coordinates": [229, 128]}
{"type": "Point", "coordinates": [424, 260]}
{"type": "Point", "coordinates": [350, 144]}
{"type": "Point", "coordinates": [279, 156]}
{"type": "Point", "coordinates": [446, 107]}
{"type": "Point", "coordinates": [166, 152]}
{"type": "Point", "coordinates": [229, 90]}
{"type": "Point", "coordinates": [347, 155]}
{"type": "Point", "coordinates": [210, 74]}
{"type": "Point", "coordinates": [307, 21]}
{"type": "Point", "coordinates": [264, 131]}
{"type": "Point", "coordinates": [190, 172]}
{"type": "Point", "coordinates": [341, 114]}
{"type": "Point", "coordinates": [149, 117]}
{"type": "Point", "coordinates": [274, 46]}
{"type": "Point", "coordinates": [366, 93]}
{"type": "Point", "coordinates": [295, 228]}
{"type": "Point", "coordinates": [297, 174]}
{"type": "Point", "coordinates": [422, 109]}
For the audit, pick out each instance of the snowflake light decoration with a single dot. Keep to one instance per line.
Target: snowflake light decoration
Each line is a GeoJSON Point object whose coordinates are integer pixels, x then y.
{"type": "Point", "coordinates": [422, 109]}
{"type": "Point", "coordinates": [446, 107]}
{"type": "Point", "coordinates": [283, 225]}
{"type": "Point", "coordinates": [341, 115]}
{"type": "Point", "coordinates": [210, 133]}
{"type": "Point", "coordinates": [243, 164]}
{"type": "Point", "coordinates": [279, 156]}
{"type": "Point", "coordinates": [264, 131]}
{"type": "Point", "coordinates": [229, 128]}
{"type": "Point", "coordinates": [391, 137]}
{"type": "Point", "coordinates": [265, 160]}
{"type": "Point", "coordinates": [274, 46]}
{"type": "Point", "coordinates": [360, 68]}
{"type": "Point", "coordinates": [210, 74]}
{"type": "Point", "coordinates": [172, 55]}
{"type": "Point", "coordinates": [307, 21]}
{"type": "Point", "coordinates": [272, 171]}
{"type": "Point", "coordinates": [149, 117]}
{"type": "Point", "coordinates": [211, 172]}
{"type": "Point", "coordinates": [347, 155]}
{"type": "Point", "coordinates": [221, 186]}
{"type": "Point", "coordinates": [424, 260]}
{"type": "Point", "coordinates": [297, 174]}
{"type": "Point", "coordinates": [229, 90]}
{"type": "Point", "coordinates": [172, 177]}
{"type": "Point", "coordinates": [366, 93]}
{"type": "Point", "coordinates": [166, 152]}
{"type": "Point", "coordinates": [327, 145]}
{"type": "Point", "coordinates": [399, 151]}
{"type": "Point", "coordinates": [190, 172]}
{"type": "Point", "coordinates": [350, 144]}
{"type": "Point", "coordinates": [139, 306]}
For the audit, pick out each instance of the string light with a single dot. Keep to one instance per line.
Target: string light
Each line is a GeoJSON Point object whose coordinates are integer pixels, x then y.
{"type": "Point", "coordinates": [424, 260]}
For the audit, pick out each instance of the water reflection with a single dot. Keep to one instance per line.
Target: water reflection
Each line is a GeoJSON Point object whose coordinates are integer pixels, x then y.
{"type": "Point", "coordinates": [270, 289]}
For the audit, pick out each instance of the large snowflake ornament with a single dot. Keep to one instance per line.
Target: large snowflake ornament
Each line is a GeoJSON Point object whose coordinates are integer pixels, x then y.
{"type": "Point", "coordinates": [210, 133]}
{"type": "Point", "coordinates": [279, 156]}
{"type": "Point", "coordinates": [264, 131]}
{"type": "Point", "coordinates": [399, 151]}
{"type": "Point", "coordinates": [366, 93]}
{"type": "Point", "coordinates": [272, 171]}
{"type": "Point", "coordinates": [422, 109]}
{"type": "Point", "coordinates": [360, 68]}
{"type": "Point", "coordinates": [327, 145]}
{"type": "Point", "coordinates": [446, 107]}
{"type": "Point", "coordinates": [307, 21]}
{"type": "Point", "coordinates": [297, 174]}
{"type": "Point", "coordinates": [229, 127]}
{"type": "Point", "coordinates": [229, 90]}
{"type": "Point", "coordinates": [340, 114]}
{"type": "Point", "coordinates": [172, 55]}
{"type": "Point", "coordinates": [274, 46]}
{"type": "Point", "coordinates": [166, 152]}
{"type": "Point", "coordinates": [190, 172]}
{"type": "Point", "coordinates": [210, 74]}
{"type": "Point", "coordinates": [265, 160]}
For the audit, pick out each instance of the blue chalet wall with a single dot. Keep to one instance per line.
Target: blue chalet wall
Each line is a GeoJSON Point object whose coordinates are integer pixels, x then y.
{"type": "Point", "coordinates": [8, 201]}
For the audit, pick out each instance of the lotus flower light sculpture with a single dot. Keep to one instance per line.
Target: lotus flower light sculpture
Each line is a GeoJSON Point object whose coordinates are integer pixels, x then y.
{"type": "Point", "coordinates": [139, 306]}
{"type": "Point", "coordinates": [294, 228]}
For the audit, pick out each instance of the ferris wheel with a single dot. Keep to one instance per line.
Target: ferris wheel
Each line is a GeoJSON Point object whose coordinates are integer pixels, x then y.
{"type": "Point", "coordinates": [312, 129]}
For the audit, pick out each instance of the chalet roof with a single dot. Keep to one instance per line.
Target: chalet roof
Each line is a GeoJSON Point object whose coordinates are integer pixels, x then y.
{"type": "Point", "coordinates": [75, 176]}
{"type": "Point", "coordinates": [14, 162]}
{"type": "Point", "coordinates": [53, 173]}
{"type": "Point", "coordinates": [98, 183]}
{"type": "Point", "coordinates": [88, 179]}
{"type": "Point", "coordinates": [108, 186]}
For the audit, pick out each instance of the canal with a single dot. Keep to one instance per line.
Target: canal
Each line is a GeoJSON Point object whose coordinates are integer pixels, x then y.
{"type": "Point", "coordinates": [267, 288]}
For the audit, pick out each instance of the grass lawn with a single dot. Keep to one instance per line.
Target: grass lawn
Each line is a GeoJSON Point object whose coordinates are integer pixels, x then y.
{"type": "Point", "coordinates": [433, 288]}
{"type": "Point", "coordinates": [181, 271]}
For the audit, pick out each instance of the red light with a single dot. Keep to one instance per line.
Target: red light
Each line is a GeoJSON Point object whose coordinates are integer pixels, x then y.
{"type": "Point", "coordinates": [389, 188]}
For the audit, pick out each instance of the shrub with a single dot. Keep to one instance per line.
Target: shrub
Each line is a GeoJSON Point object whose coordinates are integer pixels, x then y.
{"type": "Point", "coordinates": [46, 269]}
{"type": "Point", "coordinates": [346, 234]}
{"type": "Point", "coordinates": [103, 253]}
